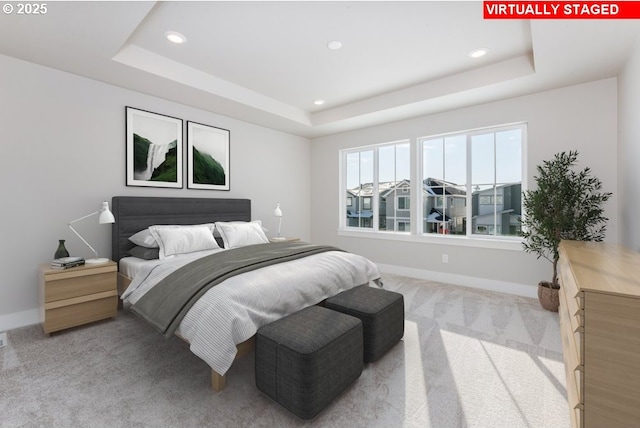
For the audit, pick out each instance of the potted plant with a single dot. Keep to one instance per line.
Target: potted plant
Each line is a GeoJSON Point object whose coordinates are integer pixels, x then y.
{"type": "Point", "coordinates": [567, 204]}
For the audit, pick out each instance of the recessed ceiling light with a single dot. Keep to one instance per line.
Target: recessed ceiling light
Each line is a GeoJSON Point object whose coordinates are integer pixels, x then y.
{"type": "Point", "coordinates": [334, 45]}
{"type": "Point", "coordinates": [175, 37]}
{"type": "Point", "coordinates": [478, 53]}
{"type": "Point", "coordinates": [318, 102]}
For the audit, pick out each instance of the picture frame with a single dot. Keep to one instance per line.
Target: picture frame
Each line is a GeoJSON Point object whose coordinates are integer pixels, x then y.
{"type": "Point", "coordinates": [208, 157]}
{"type": "Point", "coordinates": [154, 149]}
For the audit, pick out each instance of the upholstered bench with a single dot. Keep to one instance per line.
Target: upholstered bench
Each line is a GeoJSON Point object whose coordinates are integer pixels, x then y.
{"type": "Point", "coordinates": [381, 312]}
{"type": "Point", "coordinates": [305, 360]}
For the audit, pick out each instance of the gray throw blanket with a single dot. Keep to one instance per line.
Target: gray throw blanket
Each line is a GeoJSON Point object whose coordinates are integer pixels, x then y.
{"type": "Point", "coordinates": [168, 302]}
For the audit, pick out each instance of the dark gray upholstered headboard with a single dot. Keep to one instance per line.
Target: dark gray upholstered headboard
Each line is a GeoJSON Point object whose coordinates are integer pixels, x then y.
{"type": "Point", "coordinates": [134, 213]}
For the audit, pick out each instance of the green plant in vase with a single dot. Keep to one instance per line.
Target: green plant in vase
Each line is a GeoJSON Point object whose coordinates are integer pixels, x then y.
{"type": "Point", "coordinates": [567, 204]}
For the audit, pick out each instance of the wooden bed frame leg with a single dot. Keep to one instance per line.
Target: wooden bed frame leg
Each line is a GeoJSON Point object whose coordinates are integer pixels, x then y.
{"type": "Point", "coordinates": [218, 381]}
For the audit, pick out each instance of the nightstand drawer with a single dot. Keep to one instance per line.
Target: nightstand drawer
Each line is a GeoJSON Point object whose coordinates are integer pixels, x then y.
{"type": "Point", "coordinates": [66, 288]}
{"type": "Point", "coordinates": [73, 315]}
{"type": "Point", "coordinates": [79, 295]}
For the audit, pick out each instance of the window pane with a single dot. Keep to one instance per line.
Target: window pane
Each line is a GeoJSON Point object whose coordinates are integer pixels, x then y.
{"type": "Point", "coordinates": [497, 186]}
{"type": "Point", "coordinates": [455, 159]}
{"type": "Point", "coordinates": [482, 159]}
{"type": "Point", "coordinates": [359, 189]}
{"type": "Point", "coordinates": [394, 186]}
{"type": "Point", "coordinates": [444, 184]}
{"type": "Point", "coordinates": [403, 203]}
{"type": "Point", "coordinates": [404, 226]}
{"type": "Point", "coordinates": [508, 156]}
{"type": "Point", "coordinates": [403, 161]}
{"type": "Point", "coordinates": [387, 164]}
{"type": "Point", "coordinates": [353, 170]}
{"type": "Point", "coordinates": [432, 159]}
{"type": "Point", "coordinates": [366, 168]}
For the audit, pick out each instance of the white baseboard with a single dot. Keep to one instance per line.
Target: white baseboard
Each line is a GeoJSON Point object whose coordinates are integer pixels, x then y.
{"type": "Point", "coordinates": [19, 319]}
{"type": "Point", "coordinates": [466, 281]}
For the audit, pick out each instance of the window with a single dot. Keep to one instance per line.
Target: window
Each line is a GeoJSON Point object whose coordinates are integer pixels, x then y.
{"type": "Point", "coordinates": [468, 183]}
{"type": "Point", "coordinates": [444, 176]}
{"type": "Point", "coordinates": [349, 201]}
{"type": "Point", "coordinates": [496, 180]}
{"type": "Point", "coordinates": [359, 179]}
{"type": "Point", "coordinates": [490, 200]}
{"type": "Point", "coordinates": [377, 176]}
{"type": "Point", "coordinates": [404, 202]}
{"type": "Point", "coordinates": [473, 182]}
{"type": "Point", "coordinates": [366, 203]}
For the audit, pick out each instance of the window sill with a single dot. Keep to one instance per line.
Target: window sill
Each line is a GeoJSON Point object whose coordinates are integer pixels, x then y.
{"type": "Point", "coordinates": [498, 243]}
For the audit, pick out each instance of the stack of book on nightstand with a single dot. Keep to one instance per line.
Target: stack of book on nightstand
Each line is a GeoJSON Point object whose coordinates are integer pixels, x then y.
{"type": "Point", "coordinates": [67, 262]}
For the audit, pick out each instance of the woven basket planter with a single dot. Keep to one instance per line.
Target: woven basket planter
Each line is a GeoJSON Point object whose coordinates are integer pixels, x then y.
{"type": "Point", "coordinates": [548, 297]}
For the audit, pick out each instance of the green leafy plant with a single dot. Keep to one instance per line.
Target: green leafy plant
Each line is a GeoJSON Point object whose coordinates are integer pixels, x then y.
{"type": "Point", "coordinates": [567, 204]}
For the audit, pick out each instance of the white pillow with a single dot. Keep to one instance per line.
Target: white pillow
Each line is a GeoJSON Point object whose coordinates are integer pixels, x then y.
{"type": "Point", "coordinates": [174, 240]}
{"type": "Point", "coordinates": [216, 231]}
{"type": "Point", "coordinates": [144, 239]}
{"type": "Point", "coordinates": [238, 234]}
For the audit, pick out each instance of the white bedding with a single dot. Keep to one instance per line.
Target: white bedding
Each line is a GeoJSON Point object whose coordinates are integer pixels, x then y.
{"type": "Point", "coordinates": [232, 311]}
{"type": "Point", "coordinates": [130, 266]}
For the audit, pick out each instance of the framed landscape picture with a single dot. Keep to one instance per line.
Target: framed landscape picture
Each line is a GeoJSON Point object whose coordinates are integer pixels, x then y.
{"type": "Point", "coordinates": [154, 149]}
{"type": "Point", "coordinates": [207, 157]}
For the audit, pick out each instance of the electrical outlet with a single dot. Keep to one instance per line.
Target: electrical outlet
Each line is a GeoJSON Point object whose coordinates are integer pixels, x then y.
{"type": "Point", "coordinates": [445, 258]}
{"type": "Point", "coordinates": [3, 339]}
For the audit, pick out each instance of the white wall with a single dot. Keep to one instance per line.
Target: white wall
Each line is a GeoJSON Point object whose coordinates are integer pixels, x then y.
{"type": "Point", "coordinates": [581, 117]}
{"type": "Point", "coordinates": [629, 149]}
{"type": "Point", "coordinates": [63, 153]}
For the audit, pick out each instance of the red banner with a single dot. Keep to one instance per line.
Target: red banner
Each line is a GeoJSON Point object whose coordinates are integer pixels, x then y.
{"type": "Point", "coordinates": [561, 10]}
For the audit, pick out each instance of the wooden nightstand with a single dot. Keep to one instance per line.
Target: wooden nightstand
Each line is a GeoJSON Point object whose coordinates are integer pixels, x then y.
{"type": "Point", "coordinates": [283, 239]}
{"type": "Point", "coordinates": [76, 296]}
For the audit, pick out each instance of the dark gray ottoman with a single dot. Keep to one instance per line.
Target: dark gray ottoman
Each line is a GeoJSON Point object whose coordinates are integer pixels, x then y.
{"type": "Point", "coordinates": [305, 360]}
{"type": "Point", "coordinates": [382, 315]}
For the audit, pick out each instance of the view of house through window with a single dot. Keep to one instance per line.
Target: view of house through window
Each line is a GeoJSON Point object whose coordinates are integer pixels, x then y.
{"type": "Point", "coordinates": [359, 188]}
{"type": "Point", "coordinates": [470, 184]}
{"type": "Point", "coordinates": [379, 174]}
{"type": "Point", "coordinates": [496, 182]}
{"type": "Point", "coordinates": [394, 187]}
{"type": "Point", "coordinates": [444, 178]}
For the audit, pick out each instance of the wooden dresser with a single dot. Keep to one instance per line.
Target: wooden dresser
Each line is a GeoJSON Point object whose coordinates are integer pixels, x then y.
{"type": "Point", "coordinates": [600, 325]}
{"type": "Point", "coordinates": [78, 295]}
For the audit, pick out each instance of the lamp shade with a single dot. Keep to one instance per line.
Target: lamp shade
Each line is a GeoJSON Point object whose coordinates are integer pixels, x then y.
{"type": "Point", "coordinates": [278, 213]}
{"type": "Point", "coordinates": [106, 216]}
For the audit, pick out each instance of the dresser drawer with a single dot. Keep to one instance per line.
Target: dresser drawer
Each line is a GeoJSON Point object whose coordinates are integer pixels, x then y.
{"type": "Point", "coordinates": [574, 297]}
{"type": "Point", "coordinates": [65, 288]}
{"type": "Point", "coordinates": [71, 315]}
{"type": "Point", "coordinates": [578, 415]}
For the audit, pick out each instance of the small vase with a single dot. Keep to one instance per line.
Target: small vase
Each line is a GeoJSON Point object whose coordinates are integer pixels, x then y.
{"type": "Point", "coordinates": [61, 251]}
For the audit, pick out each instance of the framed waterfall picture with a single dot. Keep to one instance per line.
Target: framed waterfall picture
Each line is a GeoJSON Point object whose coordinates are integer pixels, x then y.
{"type": "Point", "coordinates": [207, 157]}
{"type": "Point", "coordinates": [154, 149]}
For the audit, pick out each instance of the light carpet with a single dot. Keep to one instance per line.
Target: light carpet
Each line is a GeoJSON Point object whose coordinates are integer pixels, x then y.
{"type": "Point", "coordinates": [469, 358]}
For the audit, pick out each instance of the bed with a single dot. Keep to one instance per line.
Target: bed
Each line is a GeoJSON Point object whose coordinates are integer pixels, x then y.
{"type": "Point", "coordinates": [216, 312]}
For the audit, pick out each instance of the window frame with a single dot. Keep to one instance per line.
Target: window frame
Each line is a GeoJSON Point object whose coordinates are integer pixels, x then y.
{"type": "Point", "coordinates": [470, 239]}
